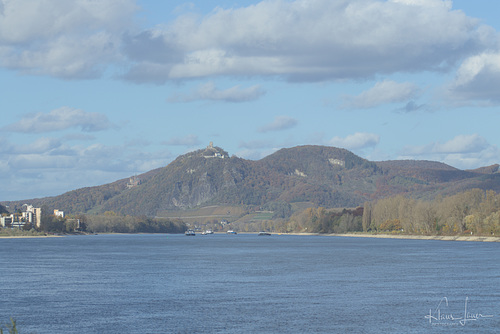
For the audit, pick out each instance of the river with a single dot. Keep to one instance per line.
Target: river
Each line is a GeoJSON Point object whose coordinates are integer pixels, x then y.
{"type": "Point", "coordinates": [248, 284]}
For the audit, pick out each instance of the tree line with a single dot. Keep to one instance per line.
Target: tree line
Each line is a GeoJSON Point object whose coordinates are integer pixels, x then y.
{"type": "Point", "coordinates": [109, 222]}
{"type": "Point", "coordinates": [310, 220]}
{"type": "Point", "coordinates": [322, 220]}
{"type": "Point", "coordinates": [473, 211]}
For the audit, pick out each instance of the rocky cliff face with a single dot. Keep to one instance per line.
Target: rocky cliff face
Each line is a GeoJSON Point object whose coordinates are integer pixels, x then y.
{"type": "Point", "coordinates": [191, 193]}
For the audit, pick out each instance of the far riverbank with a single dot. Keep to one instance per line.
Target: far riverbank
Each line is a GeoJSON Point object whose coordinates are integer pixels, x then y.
{"type": "Point", "coordinates": [28, 236]}
{"type": "Point", "coordinates": [355, 235]}
{"type": "Point", "coordinates": [421, 237]}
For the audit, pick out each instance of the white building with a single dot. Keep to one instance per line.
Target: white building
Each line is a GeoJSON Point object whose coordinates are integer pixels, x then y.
{"type": "Point", "coordinates": [6, 220]}
{"type": "Point", "coordinates": [33, 215]}
{"type": "Point", "coordinates": [30, 215]}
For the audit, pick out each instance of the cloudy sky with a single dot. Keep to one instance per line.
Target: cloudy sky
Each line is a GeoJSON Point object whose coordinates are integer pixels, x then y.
{"type": "Point", "coordinates": [95, 91]}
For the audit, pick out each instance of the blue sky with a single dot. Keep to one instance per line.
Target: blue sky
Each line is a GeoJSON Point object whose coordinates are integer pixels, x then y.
{"type": "Point", "coordinates": [92, 92]}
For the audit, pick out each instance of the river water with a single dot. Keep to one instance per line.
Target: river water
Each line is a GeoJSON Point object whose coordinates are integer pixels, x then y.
{"type": "Point", "coordinates": [248, 284]}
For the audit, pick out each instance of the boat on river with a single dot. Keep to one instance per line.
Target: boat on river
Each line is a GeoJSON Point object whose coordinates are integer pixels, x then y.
{"type": "Point", "coordinates": [264, 233]}
{"type": "Point", "coordinates": [231, 232]}
{"type": "Point", "coordinates": [190, 232]}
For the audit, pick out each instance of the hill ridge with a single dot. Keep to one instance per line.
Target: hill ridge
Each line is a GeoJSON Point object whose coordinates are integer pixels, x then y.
{"type": "Point", "coordinates": [323, 175]}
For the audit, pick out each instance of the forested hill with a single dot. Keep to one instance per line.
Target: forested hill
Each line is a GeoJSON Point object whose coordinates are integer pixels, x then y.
{"type": "Point", "coordinates": [324, 176]}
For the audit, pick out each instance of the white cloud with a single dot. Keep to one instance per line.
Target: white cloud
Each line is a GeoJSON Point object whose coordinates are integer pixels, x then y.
{"type": "Point", "coordinates": [67, 39]}
{"type": "Point", "coordinates": [280, 123]}
{"type": "Point", "coordinates": [65, 57]}
{"type": "Point", "coordinates": [40, 162]}
{"type": "Point", "coordinates": [61, 119]}
{"type": "Point", "coordinates": [462, 151]}
{"type": "Point", "coordinates": [25, 21]}
{"type": "Point", "coordinates": [49, 167]}
{"type": "Point", "coordinates": [189, 140]}
{"type": "Point", "coordinates": [307, 40]}
{"type": "Point", "coordinates": [462, 144]}
{"type": "Point", "coordinates": [301, 40]}
{"type": "Point", "coordinates": [357, 141]}
{"type": "Point", "coordinates": [478, 78]}
{"type": "Point", "coordinates": [42, 145]}
{"type": "Point", "coordinates": [384, 92]}
{"type": "Point", "coordinates": [459, 144]}
{"type": "Point", "coordinates": [209, 91]}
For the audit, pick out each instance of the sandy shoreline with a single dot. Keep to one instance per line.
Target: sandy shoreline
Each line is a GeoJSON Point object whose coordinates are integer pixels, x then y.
{"type": "Point", "coordinates": [352, 235]}
{"type": "Point", "coordinates": [28, 236]}
{"type": "Point", "coordinates": [421, 237]}
{"type": "Point", "coordinates": [476, 238]}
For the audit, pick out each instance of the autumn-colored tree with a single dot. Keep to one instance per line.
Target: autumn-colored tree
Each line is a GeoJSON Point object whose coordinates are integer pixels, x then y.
{"type": "Point", "coordinates": [367, 216]}
{"type": "Point", "coordinates": [473, 211]}
{"type": "Point", "coordinates": [391, 225]}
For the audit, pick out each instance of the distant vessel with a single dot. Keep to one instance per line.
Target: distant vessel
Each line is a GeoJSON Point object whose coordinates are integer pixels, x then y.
{"type": "Point", "coordinates": [264, 233]}
{"type": "Point", "coordinates": [231, 232]}
{"type": "Point", "coordinates": [190, 232]}
{"type": "Point", "coordinates": [209, 232]}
